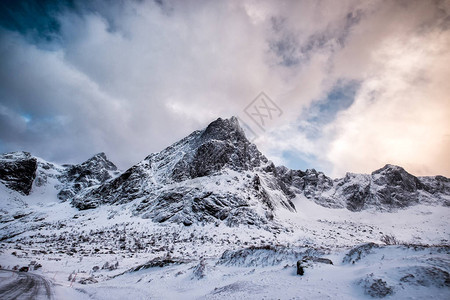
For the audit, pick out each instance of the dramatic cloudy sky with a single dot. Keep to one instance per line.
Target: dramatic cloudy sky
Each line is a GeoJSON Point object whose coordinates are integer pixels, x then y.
{"type": "Point", "coordinates": [360, 83]}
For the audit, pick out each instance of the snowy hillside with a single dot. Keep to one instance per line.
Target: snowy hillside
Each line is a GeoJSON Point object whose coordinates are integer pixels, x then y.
{"type": "Point", "coordinates": [210, 217]}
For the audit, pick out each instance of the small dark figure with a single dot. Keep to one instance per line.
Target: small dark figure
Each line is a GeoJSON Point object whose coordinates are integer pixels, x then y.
{"type": "Point", "coordinates": [300, 270]}
{"type": "Point", "coordinates": [24, 269]}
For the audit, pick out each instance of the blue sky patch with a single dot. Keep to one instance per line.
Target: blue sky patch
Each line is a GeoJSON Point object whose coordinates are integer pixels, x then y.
{"type": "Point", "coordinates": [299, 161]}
{"type": "Point", "coordinates": [322, 112]}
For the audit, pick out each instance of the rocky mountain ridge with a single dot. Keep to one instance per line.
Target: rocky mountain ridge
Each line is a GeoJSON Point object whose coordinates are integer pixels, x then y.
{"type": "Point", "coordinates": [216, 175]}
{"type": "Point", "coordinates": [385, 189]}
{"type": "Point", "coordinates": [23, 173]}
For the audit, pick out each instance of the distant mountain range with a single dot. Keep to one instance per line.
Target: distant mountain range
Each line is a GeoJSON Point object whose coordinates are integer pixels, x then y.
{"type": "Point", "coordinates": [215, 175]}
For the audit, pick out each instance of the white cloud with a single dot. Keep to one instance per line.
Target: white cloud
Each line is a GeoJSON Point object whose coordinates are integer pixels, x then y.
{"type": "Point", "coordinates": [402, 113]}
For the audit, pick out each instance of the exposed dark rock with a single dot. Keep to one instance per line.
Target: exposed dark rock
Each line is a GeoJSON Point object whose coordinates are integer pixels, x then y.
{"type": "Point", "coordinates": [24, 269]}
{"type": "Point", "coordinates": [308, 182]}
{"type": "Point", "coordinates": [436, 184]}
{"type": "Point", "coordinates": [388, 189]}
{"type": "Point", "coordinates": [376, 287]}
{"type": "Point", "coordinates": [266, 255]}
{"type": "Point", "coordinates": [157, 263]}
{"type": "Point", "coordinates": [300, 270]}
{"type": "Point", "coordinates": [89, 280]}
{"type": "Point", "coordinates": [17, 171]}
{"type": "Point", "coordinates": [200, 270]}
{"type": "Point", "coordinates": [398, 187]}
{"type": "Point", "coordinates": [221, 144]}
{"type": "Point", "coordinates": [426, 276]}
{"type": "Point", "coordinates": [322, 260]}
{"type": "Point", "coordinates": [308, 260]}
{"type": "Point", "coordinates": [95, 171]}
{"type": "Point", "coordinates": [188, 206]}
{"type": "Point", "coordinates": [358, 252]}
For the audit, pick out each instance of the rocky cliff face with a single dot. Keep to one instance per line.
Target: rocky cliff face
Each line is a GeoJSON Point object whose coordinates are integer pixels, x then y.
{"type": "Point", "coordinates": [222, 144]}
{"type": "Point", "coordinates": [21, 172]}
{"type": "Point", "coordinates": [17, 171]}
{"type": "Point", "coordinates": [216, 175]}
{"type": "Point", "coordinates": [95, 171]}
{"type": "Point", "coordinates": [386, 189]}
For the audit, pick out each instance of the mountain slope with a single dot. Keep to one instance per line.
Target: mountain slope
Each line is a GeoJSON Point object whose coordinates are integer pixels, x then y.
{"type": "Point", "coordinates": [212, 175]}
{"type": "Point", "coordinates": [95, 171]}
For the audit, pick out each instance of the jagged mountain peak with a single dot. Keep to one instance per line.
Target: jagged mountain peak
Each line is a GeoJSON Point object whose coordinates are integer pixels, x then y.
{"type": "Point", "coordinates": [94, 171]}
{"type": "Point", "coordinates": [26, 174]}
{"type": "Point", "coordinates": [224, 130]}
{"type": "Point", "coordinates": [101, 160]}
{"type": "Point", "coordinates": [389, 168]}
{"type": "Point", "coordinates": [222, 144]}
{"type": "Point", "coordinates": [393, 175]}
{"type": "Point", "coordinates": [99, 156]}
{"type": "Point", "coordinates": [17, 155]}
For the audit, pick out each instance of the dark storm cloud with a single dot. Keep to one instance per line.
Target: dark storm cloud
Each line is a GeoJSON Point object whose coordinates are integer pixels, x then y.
{"type": "Point", "coordinates": [33, 18]}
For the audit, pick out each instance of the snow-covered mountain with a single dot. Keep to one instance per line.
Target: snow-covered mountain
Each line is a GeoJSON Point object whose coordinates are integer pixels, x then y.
{"type": "Point", "coordinates": [24, 173]}
{"type": "Point", "coordinates": [93, 172]}
{"type": "Point", "coordinates": [211, 217]}
{"type": "Point", "coordinates": [386, 189]}
{"type": "Point", "coordinates": [217, 175]}
{"type": "Point", "coordinates": [212, 175]}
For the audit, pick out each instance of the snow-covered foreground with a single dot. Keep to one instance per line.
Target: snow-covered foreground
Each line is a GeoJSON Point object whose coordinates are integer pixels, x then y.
{"type": "Point", "coordinates": [413, 278]}
{"type": "Point", "coordinates": [108, 253]}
